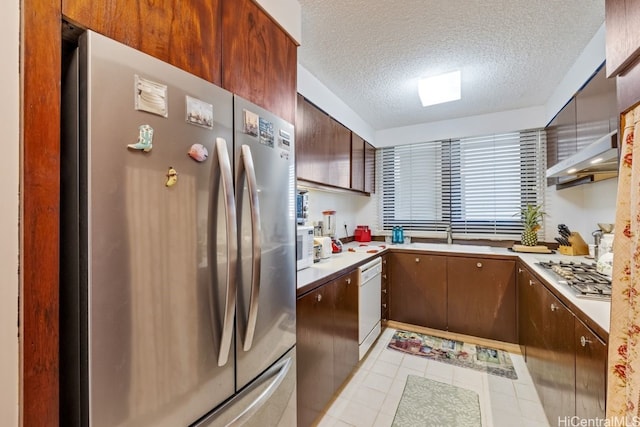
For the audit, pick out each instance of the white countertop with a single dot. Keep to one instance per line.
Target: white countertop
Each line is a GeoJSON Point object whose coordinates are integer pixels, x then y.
{"type": "Point", "coordinates": [598, 311]}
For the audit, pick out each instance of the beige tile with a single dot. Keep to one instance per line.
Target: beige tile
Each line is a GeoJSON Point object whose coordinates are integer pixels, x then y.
{"type": "Point", "coordinates": [504, 403]}
{"type": "Point", "coordinates": [358, 415]}
{"type": "Point", "coordinates": [501, 385]}
{"type": "Point", "coordinates": [397, 387]}
{"type": "Point", "coordinates": [391, 356]}
{"type": "Point", "coordinates": [383, 420]}
{"type": "Point", "coordinates": [439, 371]}
{"type": "Point", "coordinates": [404, 372]}
{"type": "Point", "coordinates": [369, 397]}
{"type": "Point", "coordinates": [526, 391]}
{"type": "Point", "coordinates": [390, 404]}
{"type": "Point", "coordinates": [384, 368]}
{"type": "Point", "coordinates": [378, 382]}
{"type": "Point", "coordinates": [414, 362]}
{"type": "Point", "coordinates": [337, 407]}
{"type": "Point", "coordinates": [532, 410]}
{"type": "Point", "coordinates": [329, 421]}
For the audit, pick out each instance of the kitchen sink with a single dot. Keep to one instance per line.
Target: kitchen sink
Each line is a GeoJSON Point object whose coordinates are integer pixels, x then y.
{"type": "Point", "coordinates": [455, 247]}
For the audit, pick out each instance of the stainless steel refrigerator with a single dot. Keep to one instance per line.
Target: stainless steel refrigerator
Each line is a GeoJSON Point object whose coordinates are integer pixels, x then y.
{"type": "Point", "coordinates": [177, 248]}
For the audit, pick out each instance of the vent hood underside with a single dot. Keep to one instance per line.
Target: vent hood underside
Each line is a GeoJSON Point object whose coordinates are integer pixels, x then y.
{"type": "Point", "coordinates": [597, 159]}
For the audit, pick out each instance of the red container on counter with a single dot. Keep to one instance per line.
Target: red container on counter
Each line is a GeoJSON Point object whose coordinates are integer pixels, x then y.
{"type": "Point", "coordinates": [362, 233]}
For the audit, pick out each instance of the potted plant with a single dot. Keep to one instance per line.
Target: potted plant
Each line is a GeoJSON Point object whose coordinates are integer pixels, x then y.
{"type": "Point", "coordinates": [530, 215]}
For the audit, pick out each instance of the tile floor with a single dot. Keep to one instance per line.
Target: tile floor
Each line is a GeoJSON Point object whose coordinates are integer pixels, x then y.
{"type": "Point", "coordinates": [372, 395]}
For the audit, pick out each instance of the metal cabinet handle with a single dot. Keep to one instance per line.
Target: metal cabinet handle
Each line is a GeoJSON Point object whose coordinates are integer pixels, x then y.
{"type": "Point", "coordinates": [384, 276]}
{"type": "Point", "coordinates": [246, 168]}
{"type": "Point", "coordinates": [319, 297]}
{"type": "Point", "coordinates": [479, 265]}
{"type": "Point", "coordinates": [384, 305]}
{"type": "Point", "coordinates": [530, 282]}
{"type": "Point", "coordinates": [584, 341]}
{"type": "Point", "coordinates": [384, 291]}
{"type": "Point", "coordinates": [348, 280]}
{"type": "Point", "coordinates": [225, 176]}
{"type": "Point", "coordinates": [384, 261]}
{"type": "Point", "coordinates": [554, 307]}
{"type": "Point", "coordinates": [417, 259]}
{"type": "Point", "coordinates": [519, 270]}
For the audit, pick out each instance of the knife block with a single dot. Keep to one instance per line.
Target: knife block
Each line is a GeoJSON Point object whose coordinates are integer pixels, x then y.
{"type": "Point", "coordinates": [578, 246]}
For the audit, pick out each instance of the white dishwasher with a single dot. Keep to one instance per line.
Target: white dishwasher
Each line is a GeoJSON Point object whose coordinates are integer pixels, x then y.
{"type": "Point", "coordinates": [369, 304]}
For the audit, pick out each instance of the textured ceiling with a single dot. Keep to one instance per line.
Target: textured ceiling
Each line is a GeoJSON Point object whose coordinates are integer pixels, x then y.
{"type": "Point", "coordinates": [512, 53]}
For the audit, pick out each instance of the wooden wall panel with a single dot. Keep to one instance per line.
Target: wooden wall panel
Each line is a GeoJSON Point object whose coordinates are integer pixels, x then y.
{"type": "Point", "coordinates": [622, 19]}
{"type": "Point", "coordinates": [40, 73]}
{"type": "Point", "coordinates": [259, 60]}
{"type": "Point", "coordinates": [185, 33]}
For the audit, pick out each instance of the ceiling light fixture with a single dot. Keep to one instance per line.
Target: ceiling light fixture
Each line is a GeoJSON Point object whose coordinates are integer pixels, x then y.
{"type": "Point", "coordinates": [439, 89]}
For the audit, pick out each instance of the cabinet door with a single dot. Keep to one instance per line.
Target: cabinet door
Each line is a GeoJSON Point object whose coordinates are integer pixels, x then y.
{"type": "Point", "coordinates": [369, 168]}
{"type": "Point", "coordinates": [482, 298]}
{"type": "Point", "coordinates": [357, 162]}
{"type": "Point", "coordinates": [591, 368]}
{"type": "Point", "coordinates": [314, 326]}
{"type": "Point", "coordinates": [622, 18]}
{"type": "Point", "coordinates": [339, 162]}
{"type": "Point", "coordinates": [184, 33]}
{"type": "Point", "coordinates": [312, 151]}
{"type": "Point", "coordinates": [557, 378]}
{"type": "Point", "coordinates": [384, 291]}
{"type": "Point", "coordinates": [418, 289]}
{"type": "Point", "coordinates": [345, 337]}
{"type": "Point", "coordinates": [260, 60]}
{"type": "Point", "coordinates": [524, 294]}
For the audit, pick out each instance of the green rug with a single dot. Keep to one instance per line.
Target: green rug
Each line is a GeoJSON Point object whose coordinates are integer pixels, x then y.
{"type": "Point", "coordinates": [485, 359]}
{"type": "Point", "coordinates": [431, 403]}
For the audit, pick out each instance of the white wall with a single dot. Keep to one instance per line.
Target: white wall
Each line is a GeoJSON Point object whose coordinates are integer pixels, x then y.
{"type": "Point", "coordinates": [352, 209]}
{"type": "Point", "coordinates": [581, 208]}
{"type": "Point", "coordinates": [9, 165]}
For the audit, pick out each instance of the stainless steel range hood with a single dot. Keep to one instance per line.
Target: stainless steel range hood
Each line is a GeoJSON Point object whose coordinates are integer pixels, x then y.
{"type": "Point", "coordinates": [597, 160]}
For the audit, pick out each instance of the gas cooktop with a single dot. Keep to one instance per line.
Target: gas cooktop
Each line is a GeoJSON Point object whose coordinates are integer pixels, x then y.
{"type": "Point", "coordinates": [582, 278]}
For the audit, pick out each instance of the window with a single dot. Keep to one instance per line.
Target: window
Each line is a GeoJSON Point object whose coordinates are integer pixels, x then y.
{"type": "Point", "coordinates": [475, 185]}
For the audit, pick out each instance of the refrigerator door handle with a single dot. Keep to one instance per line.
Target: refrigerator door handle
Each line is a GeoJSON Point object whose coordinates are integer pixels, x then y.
{"type": "Point", "coordinates": [247, 168]}
{"type": "Point", "coordinates": [222, 155]}
{"type": "Point", "coordinates": [282, 368]}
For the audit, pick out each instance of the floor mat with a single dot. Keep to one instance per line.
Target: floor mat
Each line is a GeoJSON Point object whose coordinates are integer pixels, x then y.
{"type": "Point", "coordinates": [426, 402]}
{"type": "Point", "coordinates": [458, 353]}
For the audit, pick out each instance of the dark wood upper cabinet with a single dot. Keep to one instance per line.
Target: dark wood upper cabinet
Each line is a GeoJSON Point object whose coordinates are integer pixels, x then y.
{"type": "Point", "coordinates": [259, 59]}
{"type": "Point", "coordinates": [339, 162]}
{"type": "Point", "coordinates": [184, 33]}
{"type": "Point", "coordinates": [369, 168]}
{"type": "Point", "coordinates": [622, 20]}
{"type": "Point", "coordinates": [357, 162]}
{"type": "Point", "coordinates": [482, 298]}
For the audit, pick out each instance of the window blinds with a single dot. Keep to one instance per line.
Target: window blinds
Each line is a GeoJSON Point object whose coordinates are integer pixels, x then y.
{"type": "Point", "coordinates": [475, 185]}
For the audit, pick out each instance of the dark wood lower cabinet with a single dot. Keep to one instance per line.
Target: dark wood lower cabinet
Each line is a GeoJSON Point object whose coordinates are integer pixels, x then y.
{"type": "Point", "coordinates": [345, 319]}
{"type": "Point", "coordinates": [327, 343]}
{"type": "Point", "coordinates": [314, 313]}
{"type": "Point", "coordinates": [591, 373]}
{"type": "Point", "coordinates": [482, 298]}
{"type": "Point", "coordinates": [566, 359]}
{"type": "Point", "coordinates": [418, 293]}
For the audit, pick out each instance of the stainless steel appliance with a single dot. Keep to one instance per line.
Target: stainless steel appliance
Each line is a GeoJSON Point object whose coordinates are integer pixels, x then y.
{"type": "Point", "coordinates": [304, 247]}
{"type": "Point", "coordinates": [583, 279]}
{"type": "Point", "coordinates": [178, 256]}
{"type": "Point", "coordinates": [369, 310]}
{"type": "Point", "coordinates": [302, 207]}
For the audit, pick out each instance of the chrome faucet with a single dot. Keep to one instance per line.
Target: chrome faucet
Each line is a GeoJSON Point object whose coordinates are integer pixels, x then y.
{"type": "Point", "coordinates": [449, 235]}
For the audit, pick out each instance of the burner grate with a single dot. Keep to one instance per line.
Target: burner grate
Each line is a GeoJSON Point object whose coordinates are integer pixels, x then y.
{"type": "Point", "coordinates": [582, 278]}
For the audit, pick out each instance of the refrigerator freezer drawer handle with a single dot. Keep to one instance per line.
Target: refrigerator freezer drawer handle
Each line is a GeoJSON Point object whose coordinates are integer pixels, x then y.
{"type": "Point", "coordinates": [246, 168]}
{"type": "Point", "coordinates": [282, 368]}
{"type": "Point", "coordinates": [222, 155]}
